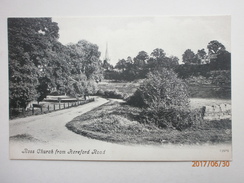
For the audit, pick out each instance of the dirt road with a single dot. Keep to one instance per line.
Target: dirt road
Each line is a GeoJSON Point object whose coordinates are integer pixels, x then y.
{"type": "Point", "coordinates": [49, 128]}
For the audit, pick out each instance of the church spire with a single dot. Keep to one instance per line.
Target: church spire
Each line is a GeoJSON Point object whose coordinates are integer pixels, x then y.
{"type": "Point", "coordinates": [106, 54]}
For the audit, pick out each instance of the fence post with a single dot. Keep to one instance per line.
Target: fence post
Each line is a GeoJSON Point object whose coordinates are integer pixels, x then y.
{"type": "Point", "coordinates": [59, 106]}
{"type": "Point", "coordinates": [32, 110]}
{"type": "Point", "coordinates": [54, 107]}
{"type": "Point", "coordinates": [64, 105]}
{"type": "Point", "coordinates": [41, 109]}
{"type": "Point", "coordinates": [48, 107]}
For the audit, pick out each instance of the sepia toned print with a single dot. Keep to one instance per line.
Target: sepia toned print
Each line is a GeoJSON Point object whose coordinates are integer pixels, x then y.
{"type": "Point", "coordinates": [120, 88]}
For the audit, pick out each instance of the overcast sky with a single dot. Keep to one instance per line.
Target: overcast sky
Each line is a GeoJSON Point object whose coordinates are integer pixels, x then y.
{"type": "Point", "coordinates": [126, 36]}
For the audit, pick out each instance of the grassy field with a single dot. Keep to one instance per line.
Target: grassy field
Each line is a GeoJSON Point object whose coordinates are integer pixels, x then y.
{"type": "Point", "coordinates": [116, 122]}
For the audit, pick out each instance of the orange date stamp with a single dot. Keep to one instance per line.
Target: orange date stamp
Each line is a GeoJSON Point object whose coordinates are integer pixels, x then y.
{"type": "Point", "coordinates": [210, 163]}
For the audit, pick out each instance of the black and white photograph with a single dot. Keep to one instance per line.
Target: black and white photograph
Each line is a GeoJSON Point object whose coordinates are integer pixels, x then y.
{"type": "Point", "coordinates": [120, 88]}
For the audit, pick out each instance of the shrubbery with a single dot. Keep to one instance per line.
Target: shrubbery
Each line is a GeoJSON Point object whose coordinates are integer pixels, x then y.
{"type": "Point", "coordinates": [161, 89]}
{"type": "Point", "coordinates": [198, 80]}
{"type": "Point", "coordinates": [176, 117]}
{"type": "Point", "coordinates": [110, 94]}
{"type": "Point", "coordinates": [164, 99]}
{"type": "Point", "coordinates": [100, 92]}
{"type": "Point", "coordinates": [220, 77]}
{"type": "Point", "coordinates": [186, 71]}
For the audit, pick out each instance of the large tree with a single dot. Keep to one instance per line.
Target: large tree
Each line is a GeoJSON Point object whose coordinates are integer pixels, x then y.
{"type": "Point", "coordinates": [201, 56]}
{"type": "Point", "coordinates": [85, 65]}
{"type": "Point", "coordinates": [121, 65]}
{"type": "Point", "coordinates": [220, 58]}
{"type": "Point", "coordinates": [85, 59]}
{"type": "Point", "coordinates": [57, 70]}
{"type": "Point", "coordinates": [189, 57]}
{"type": "Point", "coordinates": [173, 61]}
{"type": "Point", "coordinates": [158, 53]}
{"type": "Point", "coordinates": [159, 59]}
{"type": "Point", "coordinates": [215, 47]}
{"type": "Point", "coordinates": [156, 58]}
{"type": "Point", "coordinates": [141, 59]}
{"type": "Point", "coordinates": [30, 40]}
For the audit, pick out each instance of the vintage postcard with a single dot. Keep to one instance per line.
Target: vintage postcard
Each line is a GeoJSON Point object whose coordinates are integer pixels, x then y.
{"type": "Point", "coordinates": [120, 88]}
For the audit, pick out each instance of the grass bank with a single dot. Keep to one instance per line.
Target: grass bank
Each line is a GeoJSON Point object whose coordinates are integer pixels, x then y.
{"type": "Point", "coordinates": [119, 123]}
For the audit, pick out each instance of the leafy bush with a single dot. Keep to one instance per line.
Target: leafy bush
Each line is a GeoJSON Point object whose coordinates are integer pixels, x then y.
{"type": "Point", "coordinates": [113, 94]}
{"type": "Point", "coordinates": [220, 77]}
{"type": "Point", "coordinates": [136, 99]}
{"type": "Point", "coordinates": [110, 94]}
{"type": "Point", "coordinates": [176, 118]}
{"type": "Point", "coordinates": [216, 84]}
{"type": "Point", "coordinates": [165, 103]}
{"type": "Point", "coordinates": [100, 92]}
{"type": "Point", "coordinates": [185, 71]}
{"type": "Point", "coordinates": [161, 89]}
{"type": "Point", "coordinates": [198, 80]}
{"type": "Point", "coordinates": [91, 86]}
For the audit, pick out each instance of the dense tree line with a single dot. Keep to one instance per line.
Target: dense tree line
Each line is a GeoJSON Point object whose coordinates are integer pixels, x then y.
{"type": "Point", "coordinates": [39, 64]}
{"type": "Point", "coordinates": [130, 69]}
{"type": "Point", "coordinates": [200, 64]}
{"type": "Point", "coordinates": [217, 58]}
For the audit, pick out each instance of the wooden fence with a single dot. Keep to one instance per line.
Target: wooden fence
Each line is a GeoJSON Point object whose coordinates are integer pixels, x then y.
{"type": "Point", "coordinates": [45, 108]}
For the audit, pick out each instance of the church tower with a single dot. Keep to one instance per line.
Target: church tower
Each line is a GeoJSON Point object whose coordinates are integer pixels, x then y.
{"type": "Point", "coordinates": [106, 58]}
